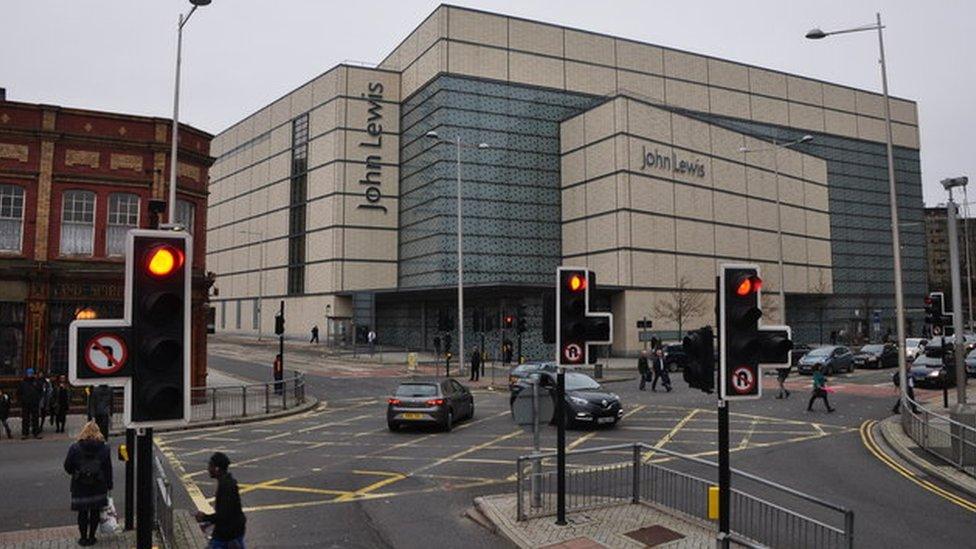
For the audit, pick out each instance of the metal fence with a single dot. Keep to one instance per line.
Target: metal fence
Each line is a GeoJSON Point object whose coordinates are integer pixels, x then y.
{"type": "Point", "coordinates": [783, 517]}
{"type": "Point", "coordinates": [239, 401]}
{"type": "Point", "coordinates": [163, 504]}
{"type": "Point", "coordinates": [947, 439]}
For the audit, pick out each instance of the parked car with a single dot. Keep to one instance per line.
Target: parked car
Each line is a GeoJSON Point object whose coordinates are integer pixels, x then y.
{"type": "Point", "coordinates": [831, 359]}
{"type": "Point", "coordinates": [523, 371]}
{"type": "Point", "coordinates": [878, 355]}
{"type": "Point", "coordinates": [799, 351]}
{"type": "Point", "coordinates": [971, 363]}
{"type": "Point", "coordinates": [586, 401]}
{"type": "Point", "coordinates": [439, 402]}
{"type": "Point", "coordinates": [914, 347]}
{"type": "Point", "coordinates": [930, 371]}
{"type": "Point", "coordinates": [675, 357]}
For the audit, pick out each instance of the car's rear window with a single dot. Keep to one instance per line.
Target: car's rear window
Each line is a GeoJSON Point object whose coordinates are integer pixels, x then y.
{"type": "Point", "coordinates": [416, 390]}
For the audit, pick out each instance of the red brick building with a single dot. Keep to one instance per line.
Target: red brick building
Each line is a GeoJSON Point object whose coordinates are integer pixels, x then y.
{"type": "Point", "coordinates": [72, 183]}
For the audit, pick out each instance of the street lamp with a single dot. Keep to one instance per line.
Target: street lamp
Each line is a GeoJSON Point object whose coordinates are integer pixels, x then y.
{"type": "Point", "coordinates": [260, 277]}
{"type": "Point", "coordinates": [176, 109]}
{"type": "Point", "coordinates": [779, 214]}
{"type": "Point", "coordinates": [959, 342]}
{"type": "Point", "coordinates": [817, 34]}
{"type": "Point", "coordinates": [460, 254]}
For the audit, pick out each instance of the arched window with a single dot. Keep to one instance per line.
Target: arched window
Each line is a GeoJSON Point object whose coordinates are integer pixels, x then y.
{"type": "Point", "coordinates": [185, 211]}
{"type": "Point", "coordinates": [123, 214]}
{"type": "Point", "coordinates": [78, 223]}
{"type": "Point", "coordinates": [11, 218]}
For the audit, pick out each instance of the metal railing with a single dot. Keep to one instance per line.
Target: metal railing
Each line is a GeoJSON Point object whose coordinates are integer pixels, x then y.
{"type": "Point", "coordinates": [239, 401]}
{"type": "Point", "coordinates": [163, 504]}
{"type": "Point", "coordinates": [943, 437]}
{"type": "Point", "coordinates": [782, 517]}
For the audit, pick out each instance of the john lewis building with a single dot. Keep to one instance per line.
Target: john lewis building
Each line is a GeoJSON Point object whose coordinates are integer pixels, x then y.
{"type": "Point", "coordinates": [604, 152]}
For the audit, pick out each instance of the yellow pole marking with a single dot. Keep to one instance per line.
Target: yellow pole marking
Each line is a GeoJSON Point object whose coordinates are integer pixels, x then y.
{"type": "Point", "coordinates": [670, 434]}
{"type": "Point", "coordinates": [867, 437]}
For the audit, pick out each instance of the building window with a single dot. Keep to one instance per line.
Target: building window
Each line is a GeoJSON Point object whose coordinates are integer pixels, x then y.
{"type": "Point", "coordinates": [237, 319]}
{"type": "Point", "coordinates": [185, 214]}
{"type": "Point", "coordinates": [296, 205]}
{"type": "Point", "coordinates": [78, 223]}
{"type": "Point", "coordinates": [223, 315]}
{"type": "Point", "coordinates": [255, 316]}
{"type": "Point", "coordinates": [11, 218]}
{"type": "Point", "coordinates": [123, 214]}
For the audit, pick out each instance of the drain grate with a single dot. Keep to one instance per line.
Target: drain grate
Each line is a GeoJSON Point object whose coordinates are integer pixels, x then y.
{"type": "Point", "coordinates": [653, 536]}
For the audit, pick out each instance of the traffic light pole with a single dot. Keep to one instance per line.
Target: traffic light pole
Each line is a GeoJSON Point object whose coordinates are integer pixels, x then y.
{"type": "Point", "coordinates": [724, 474]}
{"type": "Point", "coordinates": [144, 492]}
{"type": "Point", "coordinates": [130, 473]}
{"type": "Point", "coordinates": [561, 447]}
{"type": "Point", "coordinates": [281, 338]}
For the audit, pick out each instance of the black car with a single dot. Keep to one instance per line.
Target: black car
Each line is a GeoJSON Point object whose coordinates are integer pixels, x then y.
{"type": "Point", "coordinates": [439, 402]}
{"type": "Point", "coordinates": [831, 359]}
{"type": "Point", "coordinates": [675, 357]}
{"type": "Point", "coordinates": [880, 355]}
{"type": "Point", "coordinates": [930, 371]}
{"type": "Point", "coordinates": [586, 401]}
{"type": "Point", "coordinates": [523, 371]}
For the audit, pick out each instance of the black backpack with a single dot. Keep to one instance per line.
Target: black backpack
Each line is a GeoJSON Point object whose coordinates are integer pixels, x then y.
{"type": "Point", "coordinates": [89, 473]}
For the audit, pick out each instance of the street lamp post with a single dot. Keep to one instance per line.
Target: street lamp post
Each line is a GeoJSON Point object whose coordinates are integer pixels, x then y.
{"type": "Point", "coordinates": [176, 109]}
{"type": "Point", "coordinates": [460, 253]}
{"type": "Point", "coordinates": [817, 34]}
{"type": "Point", "coordinates": [260, 277]}
{"type": "Point", "coordinates": [779, 212]}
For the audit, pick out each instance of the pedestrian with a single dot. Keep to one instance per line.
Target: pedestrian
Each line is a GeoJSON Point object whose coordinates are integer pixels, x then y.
{"type": "Point", "coordinates": [315, 334]}
{"type": "Point", "coordinates": [62, 401]}
{"type": "Point", "coordinates": [89, 463]}
{"type": "Point", "coordinates": [437, 345]}
{"type": "Point", "coordinates": [44, 408]}
{"type": "Point", "coordinates": [833, 337]}
{"type": "Point", "coordinates": [819, 390]}
{"type": "Point", "coordinates": [909, 390]}
{"type": "Point", "coordinates": [660, 371]}
{"type": "Point", "coordinates": [781, 375]}
{"type": "Point", "coordinates": [5, 412]}
{"type": "Point", "coordinates": [278, 372]}
{"type": "Point", "coordinates": [371, 339]}
{"type": "Point", "coordinates": [475, 365]}
{"type": "Point", "coordinates": [643, 369]}
{"type": "Point", "coordinates": [100, 408]}
{"type": "Point", "coordinates": [29, 397]}
{"type": "Point", "coordinates": [228, 517]}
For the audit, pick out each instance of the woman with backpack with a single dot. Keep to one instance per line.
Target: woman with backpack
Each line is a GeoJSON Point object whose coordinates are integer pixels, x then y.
{"type": "Point", "coordinates": [89, 463]}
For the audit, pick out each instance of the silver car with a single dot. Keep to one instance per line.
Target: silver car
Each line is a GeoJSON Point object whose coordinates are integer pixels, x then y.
{"type": "Point", "coordinates": [913, 347]}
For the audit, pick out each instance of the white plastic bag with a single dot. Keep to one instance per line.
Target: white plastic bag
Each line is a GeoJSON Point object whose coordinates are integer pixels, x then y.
{"type": "Point", "coordinates": [109, 519]}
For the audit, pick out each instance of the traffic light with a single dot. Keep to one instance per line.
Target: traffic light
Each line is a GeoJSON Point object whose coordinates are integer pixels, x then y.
{"type": "Point", "coordinates": [508, 321]}
{"type": "Point", "coordinates": [279, 324]}
{"type": "Point", "coordinates": [699, 371]}
{"type": "Point", "coordinates": [745, 345]}
{"type": "Point", "coordinates": [576, 326]}
{"type": "Point", "coordinates": [160, 296]}
{"type": "Point", "coordinates": [521, 323]}
{"type": "Point", "coordinates": [935, 309]}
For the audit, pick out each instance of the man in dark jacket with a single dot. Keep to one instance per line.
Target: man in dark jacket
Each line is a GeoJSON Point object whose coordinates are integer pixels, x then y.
{"type": "Point", "coordinates": [62, 401]}
{"type": "Point", "coordinates": [100, 408]}
{"type": "Point", "coordinates": [643, 369]}
{"type": "Point", "coordinates": [228, 517]}
{"type": "Point", "coordinates": [475, 365]}
{"type": "Point", "coordinates": [5, 412]}
{"type": "Point", "coordinates": [29, 397]}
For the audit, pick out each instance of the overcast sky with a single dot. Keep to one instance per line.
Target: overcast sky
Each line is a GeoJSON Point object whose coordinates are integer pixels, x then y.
{"type": "Point", "coordinates": [240, 55]}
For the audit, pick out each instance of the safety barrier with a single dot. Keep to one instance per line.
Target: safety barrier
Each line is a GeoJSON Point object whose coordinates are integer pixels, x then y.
{"type": "Point", "coordinates": [163, 504]}
{"type": "Point", "coordinates": [240, 401]}
{"type": "Point", "coordinates": [783, 517]}
{"type": "Point", "coordinates": [943, 437]}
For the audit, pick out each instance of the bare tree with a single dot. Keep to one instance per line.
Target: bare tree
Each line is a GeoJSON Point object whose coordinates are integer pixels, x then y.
{"type": "Point", "coordinates": [819, 289]}
{"type": "Point", "coordinates": [682, 304]}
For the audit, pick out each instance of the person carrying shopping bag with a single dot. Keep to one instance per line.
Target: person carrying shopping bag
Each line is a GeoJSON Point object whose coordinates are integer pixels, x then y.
{"type": "Point", "coordinates": [89, 463]}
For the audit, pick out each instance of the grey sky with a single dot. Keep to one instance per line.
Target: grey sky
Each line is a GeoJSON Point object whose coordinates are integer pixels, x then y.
{"type": "Point", "coordinates": [240, 55]}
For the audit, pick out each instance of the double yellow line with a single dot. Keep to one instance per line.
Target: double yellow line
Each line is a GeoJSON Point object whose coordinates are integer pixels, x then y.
{"type": "Point", "coordinates": [868, 439]}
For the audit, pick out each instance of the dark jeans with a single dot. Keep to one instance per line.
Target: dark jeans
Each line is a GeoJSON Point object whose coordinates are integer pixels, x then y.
{"type": "Point", "coordinates": [88, 522]}
{"type": "Point", "coordinates": [818, 393]}
{"type": "Point", "coordinates": [643, 381]}
{"type": "Point", "coordinates": [475, 372]}
{"type": "Point", "coordinates": [28, 421]}
{"type": "Point", "coordinates": [59, 420]}
{"type": "Point", "coordinates": [664, 377]}
{"type": "Point", "coordinates": [911, 395]}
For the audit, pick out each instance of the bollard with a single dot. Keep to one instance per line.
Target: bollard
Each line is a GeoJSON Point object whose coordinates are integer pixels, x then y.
{"type": "Point", "coordinates": [635, 496]}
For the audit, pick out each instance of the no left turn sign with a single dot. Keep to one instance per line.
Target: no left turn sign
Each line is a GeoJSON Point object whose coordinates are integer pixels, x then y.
{"type": "Point", "coordinates": [106, 354]}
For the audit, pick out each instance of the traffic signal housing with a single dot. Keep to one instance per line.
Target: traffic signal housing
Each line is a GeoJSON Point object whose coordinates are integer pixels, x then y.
{"type": "Point", "coordinates": [279, 324]}
{"type": "Point", "coordinates": [745, 344]}
{"type": "Point", "coordinates": [521, 325]}
{"type": "Point", "coordinates": [508, 321]}
{"type": "Point", "coordinates": [576, 326]}
{"type": "Point", "coordinates": [699, 371]}
{"type": "Point", "coordinates": [159, 285]}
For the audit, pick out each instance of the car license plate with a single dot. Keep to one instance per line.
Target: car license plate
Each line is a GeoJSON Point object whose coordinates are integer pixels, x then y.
{"type": "Point", "coordinates": [413, 415]}
{"type": "Point", "coordinates": [605, 419]}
